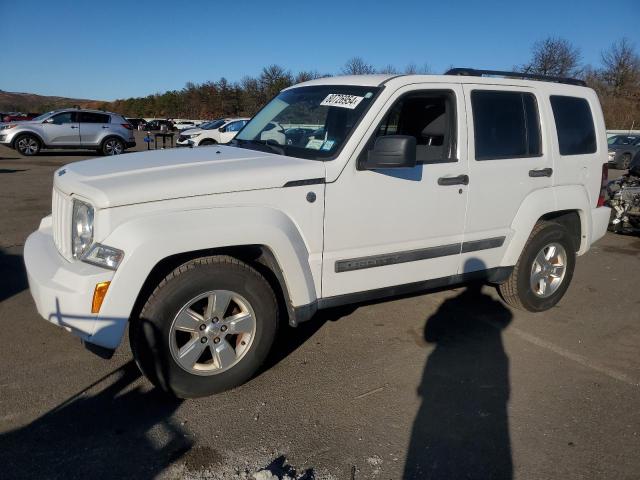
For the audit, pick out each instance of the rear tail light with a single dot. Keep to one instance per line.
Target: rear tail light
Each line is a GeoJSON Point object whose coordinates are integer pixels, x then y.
{"type": "Point", "coordinates": [603, 185]}
{"type": "Point", "coordinates": [128, 126]}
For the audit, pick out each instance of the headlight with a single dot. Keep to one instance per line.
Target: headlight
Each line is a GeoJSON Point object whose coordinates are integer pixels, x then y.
{"type": "Point", "coordinates": [7, 127]}
{"type": "Point", "coordinates": [81, 228]}
{"type": "Point", "coordinates": [192, 135]}
{"type": "Point", "coordinates": [104, 256]}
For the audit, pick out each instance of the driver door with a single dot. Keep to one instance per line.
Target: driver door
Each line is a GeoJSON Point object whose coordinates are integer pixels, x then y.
{"type": "Point", "coordinates": [385, 228]}
{"type": "Point", "coordinates": [62, 129]}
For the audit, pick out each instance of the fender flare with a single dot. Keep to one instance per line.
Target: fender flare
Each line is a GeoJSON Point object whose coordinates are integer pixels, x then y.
{"type": "Point", "coordinates": [543, 202]}
{"type": "Point", "coordinates": [148, 240]}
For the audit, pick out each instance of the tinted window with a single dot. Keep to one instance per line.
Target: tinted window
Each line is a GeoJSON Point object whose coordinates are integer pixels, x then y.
{"type": "Point", "coordinates": [62, 118]}
{"type": "Point", "coordinates": [91, 117]}
{"type": "Point", "coordinates": [574, 125]}
{"type": "Point", "coordinates": [506, 125]}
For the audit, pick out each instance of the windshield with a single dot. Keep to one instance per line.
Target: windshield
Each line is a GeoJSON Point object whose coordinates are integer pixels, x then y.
{"type": "Point", "coordinates": [623, 140]}
{"type": "Point", "coordinates": [308, 122]}
{"type": "Point", "coordinates": [211, 125]}
{"type": "Point", "coordinates": [42, 117]}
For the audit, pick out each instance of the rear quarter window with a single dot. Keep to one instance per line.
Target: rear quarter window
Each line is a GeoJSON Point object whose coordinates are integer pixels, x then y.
{"type": "Point", "coordinates": [574, 125]}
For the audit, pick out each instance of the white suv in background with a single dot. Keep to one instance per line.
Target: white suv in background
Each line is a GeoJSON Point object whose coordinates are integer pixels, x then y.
{"type": "Point", "coordinates": [218, 131]}
{"type": "Point", "coordinates": [380, 185]}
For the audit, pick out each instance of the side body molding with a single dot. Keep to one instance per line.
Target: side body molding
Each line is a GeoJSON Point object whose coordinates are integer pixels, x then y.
{"type": "Point", "coordinates": [540, 203]}
{"type": "Point", "coordinates": [148, 240]}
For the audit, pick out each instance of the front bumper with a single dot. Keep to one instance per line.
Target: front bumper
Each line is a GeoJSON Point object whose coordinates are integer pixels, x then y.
{"type": "Point", "coordinates": [63, 291]}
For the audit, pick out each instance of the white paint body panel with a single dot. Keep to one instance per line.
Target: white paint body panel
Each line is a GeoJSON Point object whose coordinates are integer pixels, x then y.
{"type": "Point", "coordinates": [156, 204]}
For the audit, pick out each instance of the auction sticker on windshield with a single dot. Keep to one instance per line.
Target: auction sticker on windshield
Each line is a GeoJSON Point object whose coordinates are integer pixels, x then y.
{"type": "Point", "coordinates": [342, 101]}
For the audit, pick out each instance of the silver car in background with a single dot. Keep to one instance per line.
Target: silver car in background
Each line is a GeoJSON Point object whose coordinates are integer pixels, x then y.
{"type": "Point", "coordinates": [72, 128]}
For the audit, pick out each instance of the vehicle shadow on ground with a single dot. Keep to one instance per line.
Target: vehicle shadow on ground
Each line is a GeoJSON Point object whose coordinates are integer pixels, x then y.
{"type": "Point", "coordinates": [289, 339]}
{"type": "Point", "coordinates": [13, 276]}
{"type": "Point", "coordinates": [119, 432]}
{"type": "Point", "coordinates": [462, 429]}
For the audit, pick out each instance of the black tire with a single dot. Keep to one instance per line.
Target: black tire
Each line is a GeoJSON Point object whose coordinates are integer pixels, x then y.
{"type": "Point", "coordinates": [150, 334]}
{"type": "Point", "coordinates": [27, 145]}
{"type": "Point", "coordinates": [626, 161]}
{"type": "Point", "coordinates": [112, 146]}
{"type": "Point", "coordinates": [517, 290]}
{"type": "Point", "coordinates": [207, 141]}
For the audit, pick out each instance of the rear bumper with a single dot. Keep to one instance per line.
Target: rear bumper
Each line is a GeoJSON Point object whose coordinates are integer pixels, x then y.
{"type": "Point", "coordinates": [63, 291]}
{"type": "Point", "coordinates": [599, 222]}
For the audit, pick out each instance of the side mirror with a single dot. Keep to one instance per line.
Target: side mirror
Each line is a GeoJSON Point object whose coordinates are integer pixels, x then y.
{"type": "Point", "coordinates": [222, 130]}
{"type": "Point", "coordinates": [48, 120]}
{"type": "Point", "coordinates": [391, 151]}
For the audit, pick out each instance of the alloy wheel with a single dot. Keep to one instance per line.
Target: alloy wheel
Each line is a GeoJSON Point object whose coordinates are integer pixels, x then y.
{"type": "Point", "coordinates": [212, 332]}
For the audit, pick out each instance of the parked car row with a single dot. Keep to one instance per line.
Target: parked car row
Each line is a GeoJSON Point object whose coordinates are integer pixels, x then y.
{"type": "Point", "coordinates": [222, 130]}
{"type": "Point", "coordinates": [17, 116]}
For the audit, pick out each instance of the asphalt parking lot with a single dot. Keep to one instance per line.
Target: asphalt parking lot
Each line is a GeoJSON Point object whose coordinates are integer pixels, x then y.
{"type": "Point", "coordinates": [451, 384]}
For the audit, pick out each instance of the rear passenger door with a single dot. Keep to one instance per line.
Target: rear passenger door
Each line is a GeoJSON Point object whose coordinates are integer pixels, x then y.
{"type": "Point", "coordinates": [93, 128]}
{"type": "Point", "coordinates": [509, 159]}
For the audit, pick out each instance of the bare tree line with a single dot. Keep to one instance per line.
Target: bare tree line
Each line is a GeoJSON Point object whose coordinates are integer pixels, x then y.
{"type": "Point", "coordinates": [616, 79]}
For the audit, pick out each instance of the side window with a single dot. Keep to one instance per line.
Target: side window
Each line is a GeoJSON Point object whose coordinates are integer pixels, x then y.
{"type": "Point", "coordinates": [505, 125]}
{"type": "Point", "coordinates": [427, 116]}
{"type": "Point", "coordinates": [574, 124]}
{"type": "Point", "coordinates": [64, 118]}
{"type": "Point", "coordinates": [91, 117]}
{"type": "Point", "coordinates": [234, 126]}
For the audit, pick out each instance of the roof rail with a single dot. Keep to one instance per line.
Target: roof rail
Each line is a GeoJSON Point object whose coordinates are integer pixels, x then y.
{"type": "Point", "coordinates": [472, 72]}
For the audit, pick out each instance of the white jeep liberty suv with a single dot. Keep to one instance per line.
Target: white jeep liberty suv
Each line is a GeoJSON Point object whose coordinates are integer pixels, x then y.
{"type": "Point", "coordinates": [380, 185]}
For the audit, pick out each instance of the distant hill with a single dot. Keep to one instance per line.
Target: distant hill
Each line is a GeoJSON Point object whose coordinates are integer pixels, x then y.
{"type": "Point", "coordinates": [30, 102]}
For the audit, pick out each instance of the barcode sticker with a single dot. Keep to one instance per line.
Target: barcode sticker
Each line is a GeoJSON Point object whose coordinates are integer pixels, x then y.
{"type": "Point", "coordinates": [342, 101]}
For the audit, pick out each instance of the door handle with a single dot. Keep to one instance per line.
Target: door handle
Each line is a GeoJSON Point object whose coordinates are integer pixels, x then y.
{"type": "Point", "coordinates": [459, 180]}
{"type": "Point", "coordinates": [543, 172]}
{"type": "Point", "coordinates": [73, 126]}
{"type": "Point", "coordinates": [104, 126]}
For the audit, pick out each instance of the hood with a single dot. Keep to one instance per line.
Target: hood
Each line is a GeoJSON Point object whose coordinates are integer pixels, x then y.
{"type": "Point", "coordinates": [191, 131]}
{"type": "Point", "coordinates": [177, 173]}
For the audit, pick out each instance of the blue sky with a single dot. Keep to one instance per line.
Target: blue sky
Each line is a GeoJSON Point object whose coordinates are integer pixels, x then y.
{"type": "Point", "coordinates": [117, 49]}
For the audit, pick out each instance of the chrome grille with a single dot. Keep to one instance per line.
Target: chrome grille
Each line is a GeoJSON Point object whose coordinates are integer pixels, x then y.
{"type": "Point", "coordinates": [61, 206]}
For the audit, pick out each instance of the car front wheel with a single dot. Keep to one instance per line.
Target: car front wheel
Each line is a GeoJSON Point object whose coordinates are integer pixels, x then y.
{"type": "Point", "coordinates": [206, 328]}
{"type": "Point", "coordinates": [544, 270]}
{"type": "Point", "coordinates": [28, 145]}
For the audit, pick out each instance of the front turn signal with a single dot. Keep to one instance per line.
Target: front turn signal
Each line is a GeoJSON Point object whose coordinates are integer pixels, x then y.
{"type": "Point", "coordinates": [98, 296]}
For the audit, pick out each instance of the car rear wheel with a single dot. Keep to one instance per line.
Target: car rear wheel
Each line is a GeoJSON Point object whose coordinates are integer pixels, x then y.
{"type": "Point", "coordinates": [626, 161]}
{"type": "Point", "coordinates": [206, 328]}
{"type": "Point", "coordinates": [28, 145]}
{"type": "Point", "coordinates": [544, 270]}
{"type": "Point", "coordinates": [112, 146]}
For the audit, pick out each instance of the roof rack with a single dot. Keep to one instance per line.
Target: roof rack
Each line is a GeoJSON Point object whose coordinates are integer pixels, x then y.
{"type": "Point", "coordinates": [472, 72]}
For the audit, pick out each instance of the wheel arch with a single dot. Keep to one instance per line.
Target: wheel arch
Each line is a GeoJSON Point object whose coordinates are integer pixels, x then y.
{"type": "Point", "coordinates": [112, 135]}
{"type": "Point", "coordinates": [259, 257]}
{"type": "Point", "coordinates": [265, 238]}
{"type": "Point", "coordinates": [27, 132]}
{"type": "Point", "coordinates": [568, 205]}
